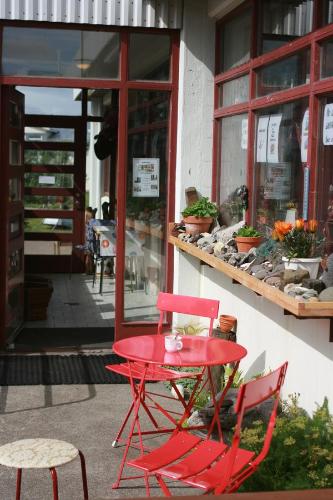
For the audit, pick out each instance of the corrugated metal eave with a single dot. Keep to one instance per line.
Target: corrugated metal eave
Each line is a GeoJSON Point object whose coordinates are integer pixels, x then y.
{"type": "Point", "coordinates": [136, 13]}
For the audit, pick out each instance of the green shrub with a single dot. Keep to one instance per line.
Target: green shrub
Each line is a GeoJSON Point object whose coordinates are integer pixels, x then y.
{"type": "Point", "coordinates": [301, 451]}
{"type": "Point", "coordinates": [248, 232]}
{"type": "Point", "coordinates": [201, 208]}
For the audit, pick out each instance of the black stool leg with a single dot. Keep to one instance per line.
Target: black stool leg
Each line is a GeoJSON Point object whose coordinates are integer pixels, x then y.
{"type": "Point", "coordinates": [84, 476]}
{"type": "Point", "coordinates": [54, 477]}
{"type": "Point", "coordinates": [18, 483]}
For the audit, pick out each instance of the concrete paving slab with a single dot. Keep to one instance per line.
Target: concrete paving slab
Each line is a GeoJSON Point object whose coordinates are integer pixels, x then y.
{"type": "Point", "coordinates": [87, 416]}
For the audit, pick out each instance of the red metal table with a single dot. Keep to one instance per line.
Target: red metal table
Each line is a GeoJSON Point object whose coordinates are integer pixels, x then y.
{"type": "Point", "coordinates": [197, 351]}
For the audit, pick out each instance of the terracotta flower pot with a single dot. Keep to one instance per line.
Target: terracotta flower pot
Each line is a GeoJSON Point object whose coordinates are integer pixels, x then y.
{"type": "Point", "coordinates": [197, 225]}
{"type": "Point", "coordinates": [245, 243]}
{"type": "Point", "coordinates": [227, 323]}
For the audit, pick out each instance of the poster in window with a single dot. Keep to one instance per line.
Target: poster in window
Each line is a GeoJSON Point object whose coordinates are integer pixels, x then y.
{"type": "Point", "coordinates": [277, 181]}
{"type": "Point", "coordinates": [262, 139]}
{"type": "Point", "coordinates": [273, 138]}
{"type": "Point", "coordinates": [328, 125]}
{"type": "Point", "coordinates": [146, 177]}
{"type": "Point", "coordinates": [305, 137]}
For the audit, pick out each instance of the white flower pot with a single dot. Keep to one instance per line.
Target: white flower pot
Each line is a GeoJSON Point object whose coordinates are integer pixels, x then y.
{"type": "Point", "coordinates": [310, 264]}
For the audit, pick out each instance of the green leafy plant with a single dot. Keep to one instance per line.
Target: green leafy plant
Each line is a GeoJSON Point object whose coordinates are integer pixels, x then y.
{"type": "Point", "coordinates": [201, 208]}
{"type": "Point", "coordinates": [190, 329]}
{"type": "Point", "coordinates": [301, 451]}
{"type": "Point", "coordinates": [248, 232]}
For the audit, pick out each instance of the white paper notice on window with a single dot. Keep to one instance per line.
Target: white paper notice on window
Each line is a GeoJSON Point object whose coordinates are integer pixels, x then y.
{"type": "Point", "coordinates": [305, 137]}
{"type": "Point", "coordinates": [46, 179]}
{"type": "Point", "coordinates": [262, 139]}
{"type": "Point", "coordinates": [328, 125]}
{"type": "Point", "coordinates": [244, 133]}
{"type": "Point", "coordinates": [273, 138]}
{"type": "Point", "coordinates": [146, 177]}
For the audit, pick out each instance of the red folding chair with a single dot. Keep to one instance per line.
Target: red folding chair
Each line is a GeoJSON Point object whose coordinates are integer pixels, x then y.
{"type": "Point", "coordinates": [166, 303]}
{"type": "Point", "coordinates": [211, 465]}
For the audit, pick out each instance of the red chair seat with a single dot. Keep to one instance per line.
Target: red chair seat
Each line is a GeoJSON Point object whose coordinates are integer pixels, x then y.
{"type": "Point", "coordinates": [154, 373]}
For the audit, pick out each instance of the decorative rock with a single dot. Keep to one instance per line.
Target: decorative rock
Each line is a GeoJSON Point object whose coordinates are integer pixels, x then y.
{"type": "Point", "coordinates": [208, 248]}
{"type": "Point", "coordinates": [289, 276]}
{"type": "Point", "coordinates": [226, 234]}
{"type": "Point", "coordinates": [261, 274]}
{"type": "Point", "coordinates": [317, 285]}
{"type": "Point", "coordinates": [313, 299]}
{"type": "Point", "coordinates": [327, 275]}
{"type": "Point", "coordinates": [273, 281]}
{"type": "Point", "coordinates": [326, 295]}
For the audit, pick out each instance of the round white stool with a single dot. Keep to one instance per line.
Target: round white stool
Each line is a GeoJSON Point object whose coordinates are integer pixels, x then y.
{"type": "Point", "coordinates": [41, 453]}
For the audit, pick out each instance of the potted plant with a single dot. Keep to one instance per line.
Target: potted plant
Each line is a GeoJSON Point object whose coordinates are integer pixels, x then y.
{"type": "Point", "coordinates": [246, 238]}
{"type": "Point", "coordinates": [199, 216]}
{"type": "Point", "coordinates": [299, 244]}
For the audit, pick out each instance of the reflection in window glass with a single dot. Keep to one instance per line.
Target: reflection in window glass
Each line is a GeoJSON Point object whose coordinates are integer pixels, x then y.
{"type": "Point", "coordinates": [327, 59]}
{"type": "Point", "coordinates": [283, 20]}
{"type": "Point", "coordinates": [51, 101]}
{"type": "Point", "coordinates": [47, 134]}
{"type": "Point", "coordinates": [48, 225]}
{"type": "Point", "coordinates": [60, 53]}
{"type": "Point", "coordinates": [325, 171]}
{"type": "Point", "coordinates": [280, 151]}
{"type": "Point", "coordinates": [235, 41]}
{"type": "Point", "coordinates": [48, 157]}
{"type": "Point", "coordinates": [233, 166]}
{"type": "Point", "coordinates": [15, 149]}
{"type": "Point", "coordinates": [15, 263]}
{"type": "Point", "coordinates": [14, 114]}
{"type": "Point", "coordinates": [14, 189]}
{"type": "Point", "coordinates": [43, 247]}
{"type": "Point", "coordinates": [149, 57]}
{"type": "Point", "coordinates": [235, 91]}
{"type": "Point", "coordinates": [285, 74]}
{"type": "Point", "coordinates": [327, 12]}
{"type": "Point", "coordinates": [146, 203]}
{"type": "Point", "coordinates": [32, 179]}
{"type": "Point", "coordinates": [48, 202]}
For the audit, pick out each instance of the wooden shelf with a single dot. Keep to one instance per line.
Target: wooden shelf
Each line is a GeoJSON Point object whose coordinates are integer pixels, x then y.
{"type": "Point", "coordinates": [301, 310]}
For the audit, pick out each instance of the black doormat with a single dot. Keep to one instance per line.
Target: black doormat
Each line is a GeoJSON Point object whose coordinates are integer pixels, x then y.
{"type": "Point", "coordinates": [35, 339]}
{"type": "Point", "coordinates": [58, 370]}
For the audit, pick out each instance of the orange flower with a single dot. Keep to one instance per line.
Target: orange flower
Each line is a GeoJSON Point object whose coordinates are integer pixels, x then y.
{"type": "Point", "coordinates": [275, 235]}
{"type": "Point", "coordinates": [282, 228]}
{"type": "Point", "coordinates": [312, 225]}
{"type": "Point", "coordinates": [299, 224]}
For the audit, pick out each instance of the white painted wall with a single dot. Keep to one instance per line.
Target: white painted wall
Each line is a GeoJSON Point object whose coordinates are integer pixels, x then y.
{"type": "Point", "coordinates": [270, 337]}
{"type": "Point", "coordinates": [195, 120]}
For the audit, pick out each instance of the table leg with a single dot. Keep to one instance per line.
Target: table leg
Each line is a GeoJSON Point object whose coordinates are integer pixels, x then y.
{"type": "Point", "coordinates": [101, 278]}
{"type": "Point", "coordinates": [18, 484]}
{"type": "Point", "coordinates": [136, 395]}
{"type": "Point", "coordinates": [218, 404]}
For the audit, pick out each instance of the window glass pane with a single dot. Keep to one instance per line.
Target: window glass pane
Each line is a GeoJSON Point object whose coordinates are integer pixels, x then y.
{"type": "Point", "coordinates": [285, 74]}
{"type": "Point", "coordinates": [325, 171]}
{"type": "Point", "coordinates": [15, 189]}
{"type": "Point", "coordinates": [146, 201]}
{"type": "Point", "coordinates": [15, 263]}
{"type": "Point", "coordinates": [60, 53]}
{"type": "Point", "coordinates": [280, 154]}
{"type": "Point", "coordinates": [48, 225]}
{"type": "Point", "coordinates": [43, 247]}
{"type": "Point", "coordinates": [149, 57]}
{"type": "Point", "coordinates": [100, 101]}
{"type": "Point", "coordinates": [32, 179]}
{"type": "Point", "coordinates": [49, 202]}
{"type": "Point", "coordinates": [15, 157]}
{"type": "Point", "coordinates": [47, 134]}
{"type": "Point", "coordinates": [233, 166]}
{"type": "Point", "coordinates": [235, 91]}
{"type": "Point", "coordinates": [326, 59]}
{"type": "Point", "coordinates": [327, 12]}
{"type": "Point", "coordinates": [235, 41]}
{"type": "Point", "coordinates": [284, 20]}
{"type": "Point", "coordinates": [51, 101]}
{"type": "Point", "coordinates": [14, 115]}
{"type": "Point", "coordinates": [15, 226]}
{"type": "Point", "coordinates": [48, 157]}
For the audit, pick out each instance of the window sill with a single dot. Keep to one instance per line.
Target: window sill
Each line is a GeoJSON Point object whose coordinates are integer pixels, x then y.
{"type": "Point", "coordinates": [301, 310]}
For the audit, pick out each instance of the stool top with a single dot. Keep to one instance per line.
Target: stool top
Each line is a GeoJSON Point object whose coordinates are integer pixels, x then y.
{"type": "Point", "coordinates": [37, 453]}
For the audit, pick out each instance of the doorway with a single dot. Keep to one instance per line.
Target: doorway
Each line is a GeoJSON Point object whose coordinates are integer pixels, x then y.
{"type": "Point", "coordinates": [62, 178]}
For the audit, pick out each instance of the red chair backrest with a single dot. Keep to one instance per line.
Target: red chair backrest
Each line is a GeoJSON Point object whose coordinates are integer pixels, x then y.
{"type": "Point", "coordinates": [186, 304]}
{"type": "Point", "coordinates": [251, 394]}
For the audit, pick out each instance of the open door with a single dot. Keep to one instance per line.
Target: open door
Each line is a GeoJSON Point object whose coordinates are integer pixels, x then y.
{"type": "Point", "coordinates": [12, 214]}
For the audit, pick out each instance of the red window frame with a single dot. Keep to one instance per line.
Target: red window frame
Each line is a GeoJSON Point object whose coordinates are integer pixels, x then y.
{"type": "Point", "coordinates": [312, 90]}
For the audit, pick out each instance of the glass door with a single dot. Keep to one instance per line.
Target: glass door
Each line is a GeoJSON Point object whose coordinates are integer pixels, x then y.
{"type": "Point", "coordinates": [12, 232]}
{"type": "Point", "coordinates": [144, 261]}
